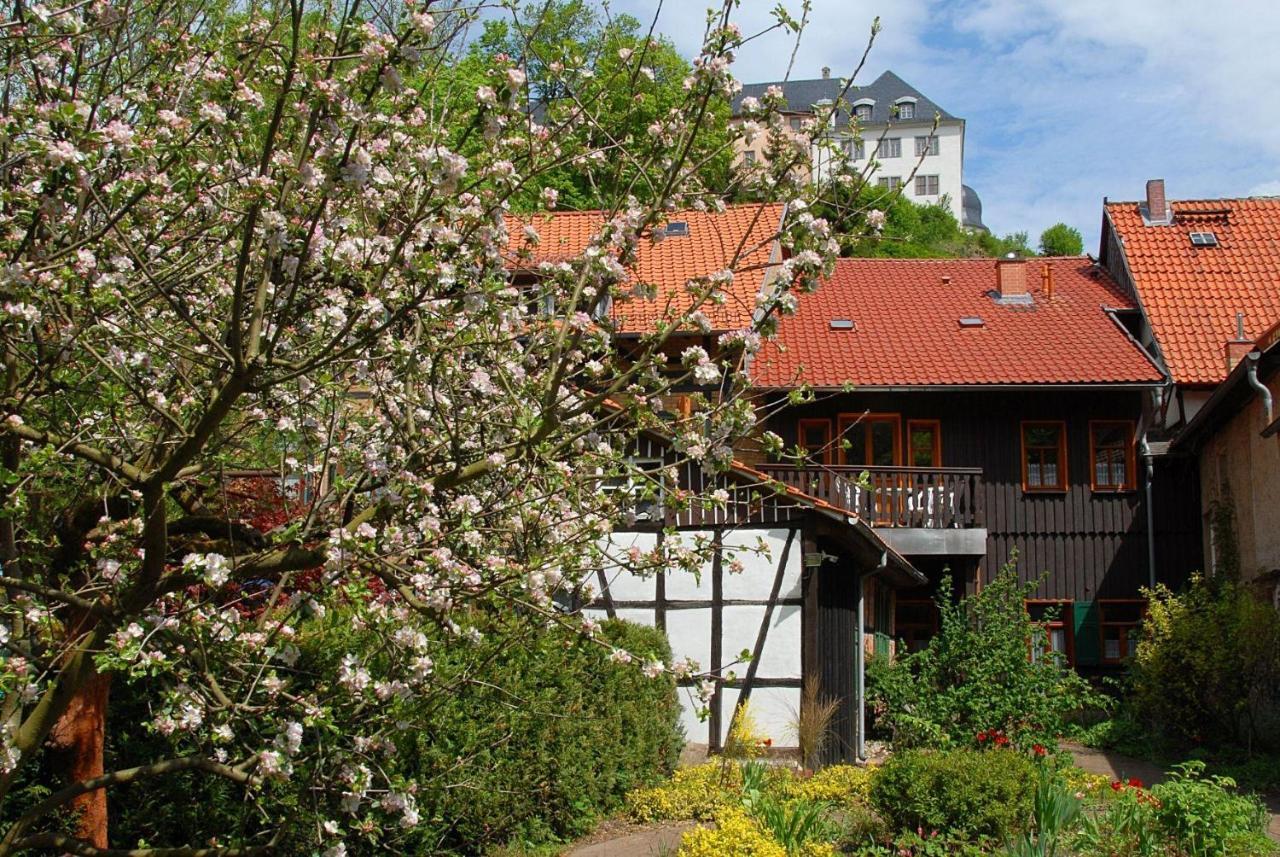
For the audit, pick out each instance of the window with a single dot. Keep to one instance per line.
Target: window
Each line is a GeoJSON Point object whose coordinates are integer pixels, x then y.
{"type": "Point", "coordinates": [749, 156]}
{"type": "Point", "coordinates": [854, 149]}
{"type": "Point", "coordinates": [927, 145]}
{"type": "Point", "coordinates": [1111, 451]}
{"type": "Point", "coordinates": [815, 439]}
{"type": "Point", "coordinates": [906, 110]}
{"type": "Point", "coordinates": [642, 483]}
{"type": "Point", "coordinates": [870, 440]}
{"type": "Point", "coordinates": [889, 182]}
{"type": "Point", "coordinates": [1203, 239]}
{"type": "Point", "coordinates": [1056, 619]}
{"type": "Point", "coordinates": [915, 622]}
{"type": "Point", "coordinates": [926, 185]}
{"type": "Point", "coordinates": [889, 147]}
{"type": "Point", "coordinates": [1121, 622]}
{"type": "Point", "coordinates": [924, 443]}
{"type": "Point", "coordinates": [1044, 456]}
{"type": "Point", "coordinates": [862, 112]}
{"type": "Point", "coordinates": [795, 123]}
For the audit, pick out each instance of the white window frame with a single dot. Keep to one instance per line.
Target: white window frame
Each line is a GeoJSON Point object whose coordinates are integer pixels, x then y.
{"type": "Point", "coordinates": [927, 180]}
{"type": "Point", "coordinates": [927, 145]}
{"type": "Point", "coordinates": [894, 146]}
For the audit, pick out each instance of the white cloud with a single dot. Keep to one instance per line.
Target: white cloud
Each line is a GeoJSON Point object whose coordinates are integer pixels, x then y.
{"type": "Point", "coordinates": [1271, 188]}
{"type": "Point", "coordinates": [1067, 101]}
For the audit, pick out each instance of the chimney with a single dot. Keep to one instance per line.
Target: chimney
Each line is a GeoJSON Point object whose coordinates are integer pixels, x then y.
{"type": "Point", "coordinates": [1235, 349]}
{"type": "Point", "coordinates": [1011, 279]}
{"type": "Point", "coordinates": [1046, 281]}
{"type": "Point", "coordinates": [1157, 206]}
{"type": "Point", "coordinates": [826, 72]}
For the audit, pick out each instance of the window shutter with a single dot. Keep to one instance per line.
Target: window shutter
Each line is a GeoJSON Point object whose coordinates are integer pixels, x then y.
{"type": "Point", "coordinates": [1087, 630]}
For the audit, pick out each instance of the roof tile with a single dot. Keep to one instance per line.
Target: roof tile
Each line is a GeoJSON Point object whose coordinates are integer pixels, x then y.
{"type": "Point", "coordinates": [1192, 294]}
{"type": "Point", "coordinates": [740, 239]}
{"type": "Point", "coordinates": [909, 333]}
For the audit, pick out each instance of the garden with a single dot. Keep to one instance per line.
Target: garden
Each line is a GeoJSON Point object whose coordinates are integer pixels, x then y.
{"type": "Point", "coordinates": [976, 766]}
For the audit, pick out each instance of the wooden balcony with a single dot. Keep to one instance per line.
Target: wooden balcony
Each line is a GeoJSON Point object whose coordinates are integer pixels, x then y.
{"type": "Point", "coordinates": [921, 497]}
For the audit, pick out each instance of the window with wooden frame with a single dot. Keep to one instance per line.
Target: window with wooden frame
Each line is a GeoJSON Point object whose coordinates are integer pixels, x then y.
{"type": "Point", "coordinates": [815, 440]}
{"type": "Point", "coordinates": [1044, 456]}
{"type": "Point", "coordinates": [1056, 618]}
{"type": "Point", "coordinates": [1120, 621]}
{"type": "Point", "coordinates": [1112, 455]}
{"type": "Point", "coordinates": [924, 443]}
{"type": "Point", "coordinates": [870, 440]}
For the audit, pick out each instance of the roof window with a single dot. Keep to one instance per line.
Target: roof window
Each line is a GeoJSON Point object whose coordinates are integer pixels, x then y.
{"type": "Point", "coordinates": [843, 324]}
{"type": "Point", "coordinates": [1204, 239]}
{"type": "Point", "coordinates": [972, 321]}
{"type": "Point", "coordinates": [677, 229]}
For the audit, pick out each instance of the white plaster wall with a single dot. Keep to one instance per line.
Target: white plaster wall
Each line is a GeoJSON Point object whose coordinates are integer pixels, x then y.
{"type": "Point", "coordinates": [755, 581]}
{"type": "Point", "coordinates": [686, 586]}
{"type": "Point", "coordinates": [689, 629]}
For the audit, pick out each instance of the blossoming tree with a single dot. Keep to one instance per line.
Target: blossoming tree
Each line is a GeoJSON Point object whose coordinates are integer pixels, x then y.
{"type": "Point", "coordinates": [245, 238]}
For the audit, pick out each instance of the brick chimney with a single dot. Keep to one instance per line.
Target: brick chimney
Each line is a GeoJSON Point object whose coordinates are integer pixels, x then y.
{"type": "Point", "coordinates": [1011, 279]}
{"type": "Point", "coordinates": [1235, 349]}
{"type": "Point", "coordinates": [1157, 206]}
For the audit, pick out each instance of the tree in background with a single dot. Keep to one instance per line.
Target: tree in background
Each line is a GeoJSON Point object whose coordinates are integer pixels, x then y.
{"type": "Point", "coordinates": [272, 238]}
{"type": "Point", "coordinates": [635, 78]}
{"type": "Point", "coordinates": [1061, 240]}
{"type": "Point", "coordinates": [899, 228]}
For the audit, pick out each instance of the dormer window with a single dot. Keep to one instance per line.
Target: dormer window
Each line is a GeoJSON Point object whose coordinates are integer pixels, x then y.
{"type": "Point", "coordinates": [862, 110]}
{"type": "Point", "coordinates": [906, 108]}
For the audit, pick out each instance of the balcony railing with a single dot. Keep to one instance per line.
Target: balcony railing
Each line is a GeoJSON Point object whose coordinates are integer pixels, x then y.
{"type": "Point", "coordinates": [929, 497]}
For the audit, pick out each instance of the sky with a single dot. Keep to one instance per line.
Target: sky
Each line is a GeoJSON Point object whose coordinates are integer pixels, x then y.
{"type": "Point", "coordinates": [1065, 101]}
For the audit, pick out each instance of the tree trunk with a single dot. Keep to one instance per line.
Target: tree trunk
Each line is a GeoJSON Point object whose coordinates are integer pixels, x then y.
{"type": "Point", "coordinates": [76, 744]}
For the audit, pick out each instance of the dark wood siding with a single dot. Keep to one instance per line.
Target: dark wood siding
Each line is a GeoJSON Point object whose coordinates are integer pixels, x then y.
{"type": "Point", "coordinates": [1091, 544]}
{"type": "Point", "coordinates": [836, 634]}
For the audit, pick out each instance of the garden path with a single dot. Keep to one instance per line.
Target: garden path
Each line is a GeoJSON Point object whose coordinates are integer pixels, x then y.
{"type": "Point", "coordinates": [1120, 767]}
{"type": "Point", "coordinates": [655, 840]}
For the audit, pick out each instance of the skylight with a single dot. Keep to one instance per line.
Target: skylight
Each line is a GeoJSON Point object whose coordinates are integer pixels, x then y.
{"type": "Point", "coordinates": [842, 324]}
{"type": "Point", "coordinates": [971, 321]}
{"type": "Point", "coordinates": [1204, 239]}
{"type": "Point", "coordinates": [678, 229]}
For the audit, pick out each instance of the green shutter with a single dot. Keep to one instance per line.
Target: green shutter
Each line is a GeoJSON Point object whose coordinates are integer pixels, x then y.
{"type": "Point", "coordinates": [1087, 632]}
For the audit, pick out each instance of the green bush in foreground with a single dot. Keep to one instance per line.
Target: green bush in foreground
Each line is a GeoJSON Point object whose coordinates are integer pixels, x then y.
{"type": "Point", "coordinates": [541, 736]}
{"type": "Point", "coordinates": [975, 794]}
{"type": "Point", "coordinates": [975, 677]}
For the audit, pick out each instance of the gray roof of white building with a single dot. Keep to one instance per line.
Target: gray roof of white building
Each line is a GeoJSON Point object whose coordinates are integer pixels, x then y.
{"type": "Point", "coordinates": [885, 90]}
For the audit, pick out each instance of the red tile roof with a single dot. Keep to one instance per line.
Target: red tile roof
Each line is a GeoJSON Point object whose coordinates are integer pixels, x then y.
{"type": "Point", "coordinates": [908, 329]}
{"type": "Point", "coordinates": [1192, 294]}
{"type": "Point", "coordinates": [740, 239]}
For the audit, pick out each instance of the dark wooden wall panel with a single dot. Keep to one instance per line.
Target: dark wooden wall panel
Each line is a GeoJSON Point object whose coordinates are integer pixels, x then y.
{"type": "Point", "coordinates": [1093, 544]}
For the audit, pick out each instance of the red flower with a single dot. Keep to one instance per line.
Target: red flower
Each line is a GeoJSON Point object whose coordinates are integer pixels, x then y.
{"type": "Point", "coordinates": [1002, 741]}
{"type": "Point", "coordinates": [1039, 749]}
{"type": "Point", "coordinates": [1134, 782]}
{"type": "Point", "coordinates": [1116, 785]}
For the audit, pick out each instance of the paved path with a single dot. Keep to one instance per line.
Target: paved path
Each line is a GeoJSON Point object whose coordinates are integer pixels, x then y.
{"type": "Point", "coordinates": [659, 840]}
{"type": "Point", "coordinates": [1120, 767]}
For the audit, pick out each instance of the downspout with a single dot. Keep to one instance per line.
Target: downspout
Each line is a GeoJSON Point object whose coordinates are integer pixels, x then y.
{"type": "Point", "coordinates": [1149, 459]}
{"type": "Point", "coordinates": [1251, 368]}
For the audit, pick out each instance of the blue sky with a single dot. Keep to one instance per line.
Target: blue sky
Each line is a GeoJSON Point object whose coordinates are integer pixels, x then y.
{"type": "Point", "coordinates": [1066, 101]}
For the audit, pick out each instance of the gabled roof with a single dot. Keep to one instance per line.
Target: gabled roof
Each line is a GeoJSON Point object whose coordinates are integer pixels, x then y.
{"type": "Point", "coordinates": [740, 238]}
{"type": "Point", "coordinates": [1192, 294]}
{"type": "Point", "coordinates": [908, 330]}
{"type": "Point", "coordinates": [885, 90]}
{"type": "Point", "coordinates": [1234, 394]}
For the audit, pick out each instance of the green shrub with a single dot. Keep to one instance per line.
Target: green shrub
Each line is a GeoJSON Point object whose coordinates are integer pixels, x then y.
{"type": "Point", "coordinates": [1207, 817]}
{"type": "Point", "coordinates": [972, 793]}
{"type": "Point", "coordinates": [975, 677]}
{"type": "Point", "coordinates": [538, 736]}
{"type": "Point", "coordinates": [1207, 669]}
